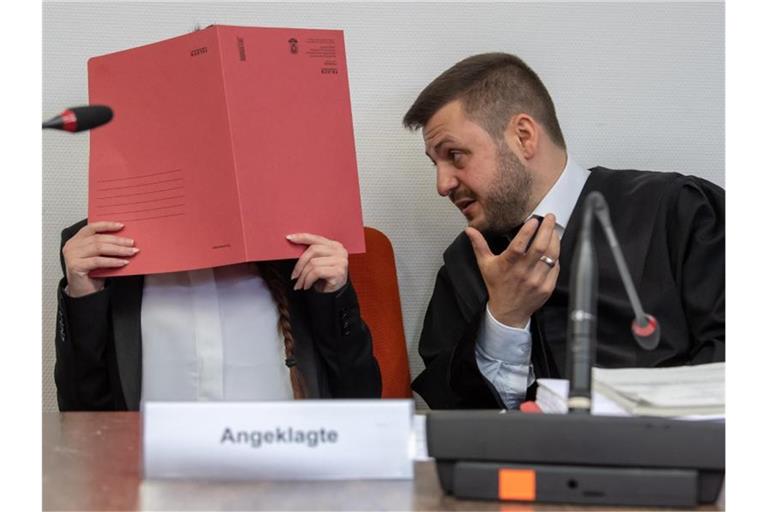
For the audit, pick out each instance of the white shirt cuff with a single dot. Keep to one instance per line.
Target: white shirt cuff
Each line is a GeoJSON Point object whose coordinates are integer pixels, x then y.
{"type": "Point", "coordinates": [507, 344]}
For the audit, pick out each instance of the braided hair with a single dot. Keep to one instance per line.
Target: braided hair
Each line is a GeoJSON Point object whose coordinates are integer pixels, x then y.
{"type": "Point", "coordinates": [278, 287]}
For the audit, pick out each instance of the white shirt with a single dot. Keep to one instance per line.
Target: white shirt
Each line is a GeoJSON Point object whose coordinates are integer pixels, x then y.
{"type": "Point", "coordinates": [211, 334]}
{"type": "Point", "coordinates": [503, 353]}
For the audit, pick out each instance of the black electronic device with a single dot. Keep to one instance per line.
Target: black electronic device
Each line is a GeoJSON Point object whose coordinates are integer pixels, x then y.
{"type": "Point", "coordinates": [608, 460]}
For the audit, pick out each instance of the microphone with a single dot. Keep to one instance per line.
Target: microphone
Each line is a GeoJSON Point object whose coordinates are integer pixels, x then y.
{"type": "Point", "coordinates": [78, 119]}
{"type": "Point", "coordinates": [582, 308]}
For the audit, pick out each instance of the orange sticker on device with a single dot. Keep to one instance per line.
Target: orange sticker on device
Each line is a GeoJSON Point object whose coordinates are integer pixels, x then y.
{"type": "Point", "coordinates": [517, 484]}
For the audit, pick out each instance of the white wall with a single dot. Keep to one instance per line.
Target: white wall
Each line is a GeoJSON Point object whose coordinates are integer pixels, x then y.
{"type": "Point", "coordinates": [636, 85]}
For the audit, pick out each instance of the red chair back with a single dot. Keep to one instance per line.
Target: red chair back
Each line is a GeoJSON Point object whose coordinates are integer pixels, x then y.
{"type": "Point", "coordinates": [374, 277]}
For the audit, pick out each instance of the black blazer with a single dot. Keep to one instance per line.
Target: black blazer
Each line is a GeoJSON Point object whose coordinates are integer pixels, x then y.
{"type": "Point", "coordinates": [98, 343]}
{"type": "Point", "coordinates": [672, 231]}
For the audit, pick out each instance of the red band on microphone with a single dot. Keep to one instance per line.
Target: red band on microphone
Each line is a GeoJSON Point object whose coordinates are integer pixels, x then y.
{"type": "Point", "coordinates": [647, 330]}
{"type": "Point", "coordinates": [69, 121]}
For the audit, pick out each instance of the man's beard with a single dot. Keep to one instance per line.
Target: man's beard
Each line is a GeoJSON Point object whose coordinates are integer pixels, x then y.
{"type": "Point", "coordinates": [506, 205]}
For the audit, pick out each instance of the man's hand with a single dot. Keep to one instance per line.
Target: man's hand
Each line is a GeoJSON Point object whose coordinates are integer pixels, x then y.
{"type": "Point", "coordinates": [323, 265]}
{"type": "Point", "coordinates": [89, 250]}
{"type": "Point", "coordinates": [518, 281]}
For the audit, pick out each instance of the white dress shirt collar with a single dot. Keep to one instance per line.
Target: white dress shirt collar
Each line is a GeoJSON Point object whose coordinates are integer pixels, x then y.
{"type": "Point", "coordinates": [562, 197]}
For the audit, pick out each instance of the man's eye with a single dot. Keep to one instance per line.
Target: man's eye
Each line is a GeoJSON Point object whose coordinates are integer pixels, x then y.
{"type": "Point", "coordinates": [455, 156]}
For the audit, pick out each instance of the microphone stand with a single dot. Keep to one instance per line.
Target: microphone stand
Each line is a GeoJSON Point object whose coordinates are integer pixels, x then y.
{"type": "Point", "coordinates": [582, 308]}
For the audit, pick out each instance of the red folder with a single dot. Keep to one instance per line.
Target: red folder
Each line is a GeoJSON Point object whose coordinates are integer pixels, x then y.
{"type": "Point", "coordinates": [224, 141]}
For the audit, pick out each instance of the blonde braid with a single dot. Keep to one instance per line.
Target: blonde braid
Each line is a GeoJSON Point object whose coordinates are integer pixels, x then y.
{"type": "Point", "coordinates": [278, 286]}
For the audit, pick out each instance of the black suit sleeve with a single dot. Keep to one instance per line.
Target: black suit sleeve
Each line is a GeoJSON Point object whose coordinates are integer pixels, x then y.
{"type": "Point", "coordinates": [697, 234]}
{"type": "Point", "coordinates": [82, 337]}
{"type": "Point", "coordinates": [344, 343]}
{"type": "Point", "coordinates": [451, 378]}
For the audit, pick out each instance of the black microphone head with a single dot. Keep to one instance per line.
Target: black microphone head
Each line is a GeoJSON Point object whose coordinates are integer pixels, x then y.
{"type": "Point", "coordinates": [78, 119]}
{"type": "Point", "coordinates": [91, 116]}
{"type": "Point", "coordinates": [649, 335]}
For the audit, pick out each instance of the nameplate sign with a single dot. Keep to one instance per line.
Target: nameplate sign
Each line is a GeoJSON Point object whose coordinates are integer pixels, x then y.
{"type": "Point", "coordinates": [294, 440]}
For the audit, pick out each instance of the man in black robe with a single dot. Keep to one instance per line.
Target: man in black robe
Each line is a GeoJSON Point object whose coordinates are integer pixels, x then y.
{"type": "Point", "coordinates": [498, 314]}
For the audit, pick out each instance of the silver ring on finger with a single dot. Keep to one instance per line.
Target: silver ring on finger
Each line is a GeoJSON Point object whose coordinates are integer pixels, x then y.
{"type": "Point", "coordinates": [548, 261]}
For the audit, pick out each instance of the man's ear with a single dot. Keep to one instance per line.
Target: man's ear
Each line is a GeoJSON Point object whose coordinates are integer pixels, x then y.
{"type": "Point", "coordinates": [522, 135]}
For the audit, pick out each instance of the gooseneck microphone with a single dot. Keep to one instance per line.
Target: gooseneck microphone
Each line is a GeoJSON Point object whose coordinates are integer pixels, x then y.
{"type": "Point", "coordinates": [78, 119]}
{"type": "Point", "coordinates": [582, 308]}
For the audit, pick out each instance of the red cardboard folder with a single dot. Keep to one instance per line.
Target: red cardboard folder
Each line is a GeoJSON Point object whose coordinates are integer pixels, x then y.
{"type": "Point", "coordinates": [224, 141]}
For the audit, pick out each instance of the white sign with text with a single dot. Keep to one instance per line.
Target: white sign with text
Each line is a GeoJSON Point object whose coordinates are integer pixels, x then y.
{"type": "Point", "coordinates": [294, 440]}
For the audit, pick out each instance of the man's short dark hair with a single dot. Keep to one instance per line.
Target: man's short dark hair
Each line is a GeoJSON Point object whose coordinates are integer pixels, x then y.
{"type": "Point", "coordinates": [492, 88]}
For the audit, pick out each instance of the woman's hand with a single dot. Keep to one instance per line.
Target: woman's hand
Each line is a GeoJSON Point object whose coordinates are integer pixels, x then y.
{"type": "Point", "coordinates": [323, 265]}
{"type": "Point", "coordinates": [89, 250]}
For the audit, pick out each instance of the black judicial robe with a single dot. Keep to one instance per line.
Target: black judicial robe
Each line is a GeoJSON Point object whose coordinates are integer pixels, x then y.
{"type": "Point", "coordinates": [672, 232]}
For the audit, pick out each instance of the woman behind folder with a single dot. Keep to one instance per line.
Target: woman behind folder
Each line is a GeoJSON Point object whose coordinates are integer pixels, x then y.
{"type": "Point", "coordinates": [254, 331]}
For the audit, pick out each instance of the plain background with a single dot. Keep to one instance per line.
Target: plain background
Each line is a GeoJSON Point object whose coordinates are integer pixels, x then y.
{"type": "Point", "coordinates": [636, 85]}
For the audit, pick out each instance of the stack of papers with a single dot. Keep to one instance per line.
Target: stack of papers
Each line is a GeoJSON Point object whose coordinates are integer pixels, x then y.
{"type": "Point", "coordinates": [552, 397]}
{"type": "Point", "coordinates": [676, 391]}
{"type": "Point", "coordinates": [684, 392]}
